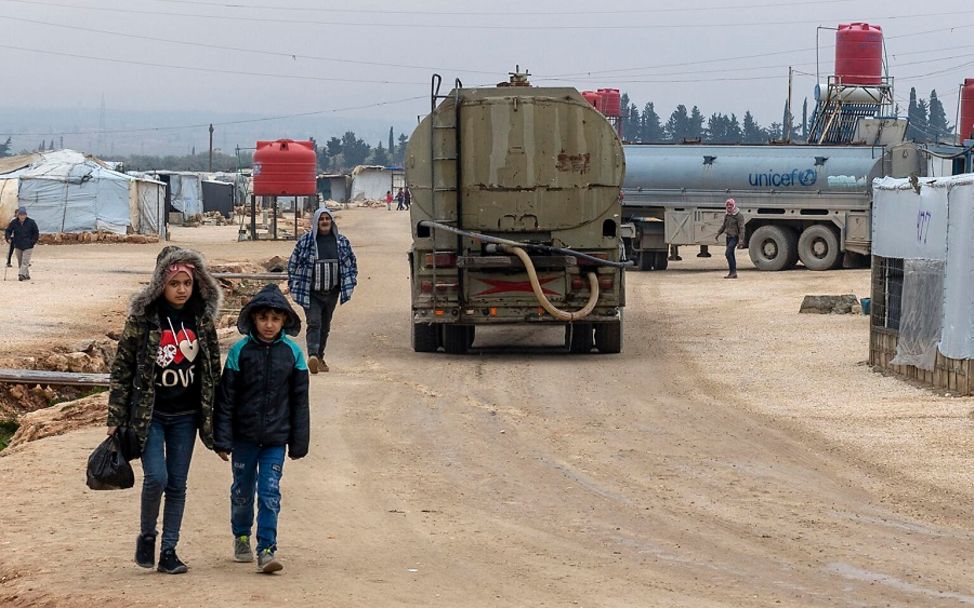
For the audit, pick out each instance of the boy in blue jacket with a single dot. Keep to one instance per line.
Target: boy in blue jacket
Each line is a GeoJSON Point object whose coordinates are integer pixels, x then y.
{"type": "Point", "coordinates": [261, 408]}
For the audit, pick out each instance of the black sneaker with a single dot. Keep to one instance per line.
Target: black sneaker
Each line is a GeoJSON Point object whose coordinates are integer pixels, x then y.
{"type": "Point", "coordinates": [145, 550]}
{"type": "Point", "coordinates": [170, 564]}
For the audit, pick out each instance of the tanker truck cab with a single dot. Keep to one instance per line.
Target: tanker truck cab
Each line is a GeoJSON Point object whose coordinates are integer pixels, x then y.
{"type": "Point", "coordinates": [515, 217]}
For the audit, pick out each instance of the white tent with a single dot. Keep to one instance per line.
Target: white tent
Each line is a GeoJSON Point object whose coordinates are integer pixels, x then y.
{"type": "Point", "coordinates": [66, 191]}
{"type": "Point", "coordinates": [371, 182]}
{"type": "Point", "coordinates": [929, 224]}
{"type": "Point", "coordinates": [185, 191]}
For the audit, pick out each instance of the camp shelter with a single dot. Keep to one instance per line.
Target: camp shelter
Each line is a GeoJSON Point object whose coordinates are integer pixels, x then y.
{"type": "Point", "coordinates": [922, 305]}
{"type": "Point", "coordinates": [185, 191]}
{"type": "Point", "coordinates": [67, 191]}
{"type": "Point", "coordinates": [371, 182]}
{"type": "Point", "coordinates": [218, 196]}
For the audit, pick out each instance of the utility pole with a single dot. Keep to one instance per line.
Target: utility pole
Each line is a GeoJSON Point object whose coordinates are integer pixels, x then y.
{"type": "Point", "coordinates": [211, 147]}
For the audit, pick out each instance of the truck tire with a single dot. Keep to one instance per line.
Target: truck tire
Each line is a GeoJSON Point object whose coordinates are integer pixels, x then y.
{"type": "Point", "coordinates": [456, 339]}
{"type": "Point", "coordinates": [647, 260]}
{"type": "Point", "coordinates": [426, 337]}
{"type": "Point", "coordinates": [608, 337]}
{"type": "Point", "coordinates": [579, 338]}
{"type": "Point", "coordinates": [818, 248]}
{"type": "Point", "coordinates": [661, 260]}
{"type": "Point", "coordinates": [773, 248]}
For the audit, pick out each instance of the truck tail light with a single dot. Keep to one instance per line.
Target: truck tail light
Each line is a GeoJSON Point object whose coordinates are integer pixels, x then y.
{"type": "Point", "coordinates": [606, 281]}
{"type": "Point", "coordinates": [427, 287]}
{"type": "Point", "coordinates": [440, 259]}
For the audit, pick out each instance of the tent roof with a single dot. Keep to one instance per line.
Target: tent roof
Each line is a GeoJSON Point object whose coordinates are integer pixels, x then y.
{"type": "Point", "coordinates": [63, 165]}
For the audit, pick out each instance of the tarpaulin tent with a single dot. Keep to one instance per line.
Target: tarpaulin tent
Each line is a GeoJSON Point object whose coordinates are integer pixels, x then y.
{"type": "Point", "coordinates": [66, 191]}
{"type": "Point", "coordinates": [923, 237]}
{"type": "Point", "coordinates": [185, 191]}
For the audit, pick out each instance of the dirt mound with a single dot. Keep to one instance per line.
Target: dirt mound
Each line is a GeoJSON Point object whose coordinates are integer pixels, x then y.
{"type": "Point", "coordinates": [60, 419]}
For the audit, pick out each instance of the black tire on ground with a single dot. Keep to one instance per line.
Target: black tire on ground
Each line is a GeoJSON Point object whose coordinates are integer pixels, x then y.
{"type": "Point", "coordinates": [661, 260]}
{"type": "Point", "coordinates": [471, 334]}
{"type": "Point", "coordinates": [818, 248]}
{"type": "Point", "coordinates": [456, 339]}
{"type": "Point", "coordinates": [773, 247]}
{"type": "Point", "coordinates": [426, 337]}
{"type": "Point", "coordinates": [647, 261]}
{"type": "Point", "coordinates": [608, 337]}
{"type": "Point", "coordinates": [579, 338]}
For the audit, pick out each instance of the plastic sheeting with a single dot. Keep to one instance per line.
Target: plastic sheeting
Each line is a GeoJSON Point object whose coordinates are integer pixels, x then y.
{"type": "Point", "coordinates": [907, 224]}
{"type": "Point", "coordinates": [921, 319]}
{"type": "Point", "coordinates": [186, 193]}
{"type": "Point", "coordinates": [933, 231]}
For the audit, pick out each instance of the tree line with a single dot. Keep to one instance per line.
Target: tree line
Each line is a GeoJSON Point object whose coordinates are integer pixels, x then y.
{"type": "Point", "coordinates": [928, 123]}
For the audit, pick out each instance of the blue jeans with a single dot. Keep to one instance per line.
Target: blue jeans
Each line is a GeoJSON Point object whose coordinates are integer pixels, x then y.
{"type": "Point", "coordinates": [256, 468]}
{"type": "Point", "coordinates": [165, 463]}
{"type": "Point", "coordinates": [729, 254]}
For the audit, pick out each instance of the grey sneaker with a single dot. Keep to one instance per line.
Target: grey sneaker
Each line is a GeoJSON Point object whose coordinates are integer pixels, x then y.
{"type": "Point", "coordinates": [267, 563]}
{"type": "Point", "coordinates": [241, 549]}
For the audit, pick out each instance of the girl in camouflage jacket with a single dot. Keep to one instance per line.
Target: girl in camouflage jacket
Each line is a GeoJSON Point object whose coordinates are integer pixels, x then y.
{"type": "Point", "coordinates": [163, 384]}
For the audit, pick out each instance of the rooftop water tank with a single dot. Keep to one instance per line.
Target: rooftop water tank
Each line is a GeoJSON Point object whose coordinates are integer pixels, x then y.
{"type": "Point", "coordinates": [593, 98]}
{"type": "Point", "coordinates": [966, 126]}
{"type": "Point", "coordinates": [285, 167]}
{"type": "Point", "coordinates": [611, 102]}
{"type": "Point", "coordinates": [859, 54]}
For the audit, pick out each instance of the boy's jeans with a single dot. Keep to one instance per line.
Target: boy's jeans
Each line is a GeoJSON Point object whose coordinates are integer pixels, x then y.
{"type": "Point", "coordinates": [165, 463]}
{"type": "Point", "coordinates": [256, 468]}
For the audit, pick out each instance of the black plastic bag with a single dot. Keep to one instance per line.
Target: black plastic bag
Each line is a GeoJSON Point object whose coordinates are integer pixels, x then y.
{"type": "Point", "coordinates": [128, 441]}
{"type": "Point", "coordinates": [107, 467]}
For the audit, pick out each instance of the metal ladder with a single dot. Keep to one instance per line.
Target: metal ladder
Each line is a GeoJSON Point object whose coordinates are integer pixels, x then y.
{"type": "Point", "coordinates": [444, 149]}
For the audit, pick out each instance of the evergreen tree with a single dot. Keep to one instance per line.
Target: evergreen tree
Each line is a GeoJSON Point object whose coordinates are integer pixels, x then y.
{"type": "Point", "coordinates": [695, 124]}
{"type": "Point", "coordinates": [5, 148]}
{"type": "Point", "coordinates": [753, 133]}
{"type": "Point", "coordinates": [401, 149]}
{"type": "Point", "coordinates": [805, 120]}
{"type": "Point", "coordinates": [922, 124]}
{"type": "Point", "coordinates": [652, 128]}
{"type": "Point", "coordinates": [43, 146]}
{"type": "Point", "coordinates": [380, 156]}
{"type": "Point", "coordinates": [354, 150]}
{"type": "Point", "coordinates": [627, 128]}
{"type": "Point", "coordinates": [734, 133]}
{"type": "Point", "coordinates": [939, 129]}
{"type": "Point", "coordinates": [911, 115]}
{"type": "Point", "coordinates": [392, 144]}
{"type": "Point", "coordinates": [678, 125]}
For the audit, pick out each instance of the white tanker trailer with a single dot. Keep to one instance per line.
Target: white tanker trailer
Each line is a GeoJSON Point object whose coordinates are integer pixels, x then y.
{"type": "Point", "coordinates": [800, 202]}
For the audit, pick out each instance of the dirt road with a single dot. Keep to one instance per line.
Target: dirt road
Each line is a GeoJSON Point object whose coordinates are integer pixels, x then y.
{"type": "Point", "coordinates": [735, 454]}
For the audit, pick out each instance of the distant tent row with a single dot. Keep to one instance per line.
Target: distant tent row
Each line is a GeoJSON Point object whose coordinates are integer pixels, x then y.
{"type": "Point", "coordinates": [66, 191]}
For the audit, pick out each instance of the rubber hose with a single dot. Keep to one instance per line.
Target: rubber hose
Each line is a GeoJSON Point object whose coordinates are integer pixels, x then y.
{"type": "Point", "coordinates": [561, 315]}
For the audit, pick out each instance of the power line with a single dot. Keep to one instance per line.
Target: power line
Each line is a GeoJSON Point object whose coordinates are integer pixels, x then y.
{"type": "Point", "coordinates": [237, 5]}
{"type": "Point", "coordinates": [207, 70]}
{"type": "Point", "coordinates": [283, 54]}
{"type": "Point", "coordinates": [480, 26]}
{"type": "Point", "coordinates": [225, 123]}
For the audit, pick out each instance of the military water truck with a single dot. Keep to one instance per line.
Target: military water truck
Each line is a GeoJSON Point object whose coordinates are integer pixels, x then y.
{"type": "Point", "coordinates": [515, 217]}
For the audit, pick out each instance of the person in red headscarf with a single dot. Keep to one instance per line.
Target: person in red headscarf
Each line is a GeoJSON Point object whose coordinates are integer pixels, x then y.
{"type": "Point", "coordinates": [733, 227]}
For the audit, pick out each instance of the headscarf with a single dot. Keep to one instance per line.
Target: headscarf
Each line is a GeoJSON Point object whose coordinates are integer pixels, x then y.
{"type": "Point", "coordinates": [178, 267]}
{"type": "Point", "coordinates": [731, 206]}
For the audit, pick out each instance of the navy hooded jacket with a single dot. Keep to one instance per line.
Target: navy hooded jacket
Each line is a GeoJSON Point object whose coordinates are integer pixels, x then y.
{"type": "Point", "coordinates": [263, 394]}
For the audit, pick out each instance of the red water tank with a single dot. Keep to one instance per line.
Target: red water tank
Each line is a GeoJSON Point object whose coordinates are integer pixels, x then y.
{"type": "Point", "coordinates": [593, 98]}
{"type": "Point", "coordinates": [285, 168]}
{"type": "Point", "coordinates": [859, 54]}
{"type": "Point", "coordinates": [611, 102]}
{"type": "Point", "coordinates": [966, 127]}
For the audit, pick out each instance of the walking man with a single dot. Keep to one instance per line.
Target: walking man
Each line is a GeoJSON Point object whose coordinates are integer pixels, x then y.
{"type": "Point", "coordinates": [733, 226]}
{"type": "Point", "coordinates": [22, 234]}
{"type": "Point", "coordinates": [322, 272]}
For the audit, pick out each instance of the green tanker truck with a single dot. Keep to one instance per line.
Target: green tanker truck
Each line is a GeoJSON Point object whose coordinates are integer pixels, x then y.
{"type": "Point", "coordinates": [515, 217]}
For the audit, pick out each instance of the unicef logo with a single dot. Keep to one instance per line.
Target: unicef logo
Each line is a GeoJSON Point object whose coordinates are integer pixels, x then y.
{"type": "Point", "coordinates": [773, 179]}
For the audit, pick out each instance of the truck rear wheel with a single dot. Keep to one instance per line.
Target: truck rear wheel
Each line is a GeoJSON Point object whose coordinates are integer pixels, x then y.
{"type": "Point", "coordinates": [426, 337]}
{"type": "Point", "coordinates": [578, 338]}
{"type": "Point", "coordinates": [818, 248]}
{"type": "Point", "coordinates": [773, 248]}
{"type": "Point", "coordinates": [457, 338]}
{"type": "Point", "coordinates": [661, 260]}
{"type": "Point", "coordinates": [608, 337]}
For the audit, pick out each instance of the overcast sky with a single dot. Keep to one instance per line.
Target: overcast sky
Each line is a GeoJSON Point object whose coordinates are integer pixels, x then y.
{"type": "Point", "coordinates": [280, 57]}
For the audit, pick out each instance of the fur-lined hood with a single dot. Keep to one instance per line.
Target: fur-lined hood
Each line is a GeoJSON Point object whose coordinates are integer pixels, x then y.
{"type": "Point", "coordinates": [204, 285]}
